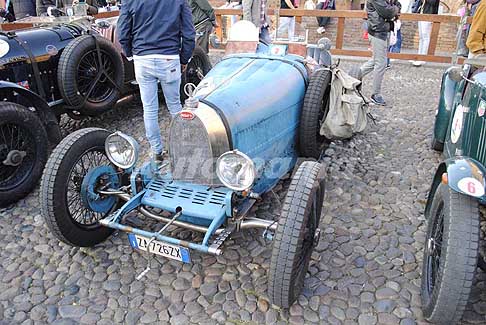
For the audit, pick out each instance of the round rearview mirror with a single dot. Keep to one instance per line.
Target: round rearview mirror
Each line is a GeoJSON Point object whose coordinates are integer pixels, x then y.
{"type": "Point", "coordinates": [456, 74]}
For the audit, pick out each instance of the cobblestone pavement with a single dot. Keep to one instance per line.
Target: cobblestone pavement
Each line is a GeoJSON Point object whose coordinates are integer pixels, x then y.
{"type": "Point", "coordinates": [365, 270]}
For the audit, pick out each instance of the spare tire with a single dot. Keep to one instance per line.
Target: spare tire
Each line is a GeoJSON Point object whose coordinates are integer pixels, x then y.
{"type": "Point", "coordinates": [90, 86]}
{"type": "Point", "coordinates": [314, 112]}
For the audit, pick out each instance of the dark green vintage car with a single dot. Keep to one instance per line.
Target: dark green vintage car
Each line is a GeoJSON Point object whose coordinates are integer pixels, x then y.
{"type": "Point", "coordinates": [452, 211]}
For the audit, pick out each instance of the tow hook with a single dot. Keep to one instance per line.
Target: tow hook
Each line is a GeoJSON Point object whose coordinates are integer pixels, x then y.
{"type": "Point", "coordinates": [317, 237]}
{"type": "Point", "coordinates": [14, 158]}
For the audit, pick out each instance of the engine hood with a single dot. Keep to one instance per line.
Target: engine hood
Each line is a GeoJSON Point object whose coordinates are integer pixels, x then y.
{"type": "Point", "coordinates": [251, 91]}
{"type": "Point", "coordinates": [259, 98]}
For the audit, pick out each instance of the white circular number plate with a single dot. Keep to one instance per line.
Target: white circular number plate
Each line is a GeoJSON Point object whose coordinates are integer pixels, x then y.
{"type": "Point", "coordinates": [471, 186]}
{"type": "Point", "coordinates": [456, 128]}
{"type": "Point", "coordinates": [4, 48]}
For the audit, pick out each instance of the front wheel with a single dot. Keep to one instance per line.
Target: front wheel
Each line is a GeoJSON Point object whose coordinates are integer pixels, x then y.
{"type": "Point", "coordinates": [23, 151]}
{"type": "Point", "coordinates": [296, 234]}
{"type": "Point", "coordinates": [69, 201]}
{"type": "Point", "coordinates": [450, 257]}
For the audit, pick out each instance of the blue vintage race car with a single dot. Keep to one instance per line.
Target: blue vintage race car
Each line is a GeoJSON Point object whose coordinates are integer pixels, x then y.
{"type": "Point", "coordinates": [243, 128]}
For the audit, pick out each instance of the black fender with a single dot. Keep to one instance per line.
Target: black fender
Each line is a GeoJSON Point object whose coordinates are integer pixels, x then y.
{"type": "Point", "coordinates": [463, 175]}
{"type": "Point", "coordinates": [42, 109]}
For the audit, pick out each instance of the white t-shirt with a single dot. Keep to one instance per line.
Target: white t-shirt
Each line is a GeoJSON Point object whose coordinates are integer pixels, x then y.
{"type": "Point", "coordinates": [158, 56]}
{"type": "Point", "coordinates": [406, 5]}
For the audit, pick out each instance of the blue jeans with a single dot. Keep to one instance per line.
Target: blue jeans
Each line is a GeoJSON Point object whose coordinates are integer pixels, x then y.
{"type": "Point", "coordinates": [148, 72]}
{"type": "Point", "coordinates": [398, 45]}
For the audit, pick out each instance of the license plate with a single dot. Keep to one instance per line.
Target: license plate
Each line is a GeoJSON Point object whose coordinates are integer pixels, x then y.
{"type": "Point", "coordinates": [160, 248]}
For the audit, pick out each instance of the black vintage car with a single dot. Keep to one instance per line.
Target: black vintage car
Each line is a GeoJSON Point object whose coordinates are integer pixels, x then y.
{"type": "Point", "coordinates": [68, 65]}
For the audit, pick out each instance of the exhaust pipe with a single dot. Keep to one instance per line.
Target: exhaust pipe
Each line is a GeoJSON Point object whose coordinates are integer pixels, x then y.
{"type": "Point", "coordinates": [245, 224]}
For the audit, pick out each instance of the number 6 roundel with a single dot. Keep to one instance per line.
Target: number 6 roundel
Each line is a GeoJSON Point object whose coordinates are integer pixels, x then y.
{"type": "Point", "coordinates": [471, 186]}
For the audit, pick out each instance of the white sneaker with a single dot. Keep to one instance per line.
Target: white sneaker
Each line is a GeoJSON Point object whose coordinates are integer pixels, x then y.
{"type": "Point", "coordinates": [417, 63]}
{"type": "Point", "coordinates": [321, 30]}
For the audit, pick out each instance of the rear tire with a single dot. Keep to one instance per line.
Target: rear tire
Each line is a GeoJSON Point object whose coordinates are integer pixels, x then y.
{"type": "Point", "coordinates": [63, 175]}
{"type": "Point", "coordinates": [450, 257]}
{"type": "Point", "coordinates": [78, 67]}
{"type": "Point", "coordinates": [295, 236]}
{"type": "Point", "coordinates": [314, 113]}
{"type": "Point", "coordinates": [21, 133]}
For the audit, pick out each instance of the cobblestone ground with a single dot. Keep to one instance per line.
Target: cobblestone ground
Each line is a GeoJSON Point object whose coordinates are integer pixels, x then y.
{"type": "Point", "coordinates": [365, 270]}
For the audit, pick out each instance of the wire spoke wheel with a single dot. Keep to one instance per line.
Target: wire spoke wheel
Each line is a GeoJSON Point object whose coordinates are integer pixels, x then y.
{"type": "Point", "coordinates": [433, 249]}
{"type": "Point", "coordinates": [87, 77]}
{"type": "Point", "coordinates": [17, 156]}
{"type": "Point", "coordinates": [23, 151]}
{"type": "Point", "coordinates": [76, 208]}
{"type": "Point", "coordinates": [70, 203]}
{"type": "Point", "coordinates": [450, 255]}
{"type": "Point", "coordinates": [195, 71]}
{"type": "Point", "coordinates": [90, 82]}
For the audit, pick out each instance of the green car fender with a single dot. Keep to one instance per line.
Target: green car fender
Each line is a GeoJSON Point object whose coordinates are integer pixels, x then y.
{"type": "Point", "coordinates": [450, 94]}
{"type": "Point", "coordinates": [463, 175]}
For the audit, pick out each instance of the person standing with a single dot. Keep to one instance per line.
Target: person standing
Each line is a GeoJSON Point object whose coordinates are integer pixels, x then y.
{"type": "Point", "coordinates": [256, 12]}
{"type": "Point", "coordinates": [287, 23]}
{"type": "Point", "coordinates": [430, 7]}
{"type": "Point", "coordinates": [204, 20]}
{"type": "Point", "coordinates": [381, 15]}
{"type": "Point", "coordinates": [476, 41]}
{"type": "Point", "coordinates": [160, 36]}
{"type": "Point", "coordinates": [324, 21]}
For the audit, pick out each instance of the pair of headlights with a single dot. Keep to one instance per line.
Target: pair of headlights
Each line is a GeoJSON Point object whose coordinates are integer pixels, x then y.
{"type": "Point", "coordinates": [234, 169]}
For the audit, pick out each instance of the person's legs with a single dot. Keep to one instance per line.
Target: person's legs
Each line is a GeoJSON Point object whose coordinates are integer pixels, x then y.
{"type": "Point", "coordinates": [169, 74]}
{"type": "Point", "coordinates": [203, 41]}
{"type": "Point", "coordinates": [369, 65]}
{"type": "Point", "coordinates": [291, 28]}
{"type": "Point", "coordinates": [283, 26]}
{"type": "Point", "coordinates": [421, 37]}
{"type": "Point", "coordinates": [425, 28]}
{"type": "Point", "coordinates": [147, 83]}
{"type": "Point", "coordinates": [380, 48]}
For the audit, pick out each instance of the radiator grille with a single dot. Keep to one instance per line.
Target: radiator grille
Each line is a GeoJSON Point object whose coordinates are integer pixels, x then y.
{"type": "Point", "coordinates": [190, 152]}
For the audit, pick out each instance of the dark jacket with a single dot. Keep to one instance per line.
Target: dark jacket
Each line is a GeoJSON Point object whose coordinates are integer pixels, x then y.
{"type": "Point", "coordinates": [201, 10]}
{"type": "Point", "coordinates": [156, 27]}
{"type": "Point", "coordinates": [426, 6]}
{"type": "Point", "coordinates": [381, 14]}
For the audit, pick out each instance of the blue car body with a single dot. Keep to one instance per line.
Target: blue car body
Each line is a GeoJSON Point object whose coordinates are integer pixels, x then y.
{"type": "Point", "coordinates": [259, 98]}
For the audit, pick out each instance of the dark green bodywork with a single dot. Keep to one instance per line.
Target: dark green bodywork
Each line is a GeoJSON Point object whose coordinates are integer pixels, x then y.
{"type": "Point", "coordinates": [460, 124]}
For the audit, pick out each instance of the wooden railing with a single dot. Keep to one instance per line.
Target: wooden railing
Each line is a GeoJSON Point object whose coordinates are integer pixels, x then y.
{"type": "Point", "coordinates": [343, 15]}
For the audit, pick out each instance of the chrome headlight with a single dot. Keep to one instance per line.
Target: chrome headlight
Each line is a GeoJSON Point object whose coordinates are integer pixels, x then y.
{"type": "Point", "coordinates": [235, 170]}
{"type": "Point", "coordinates": [122, 150]}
